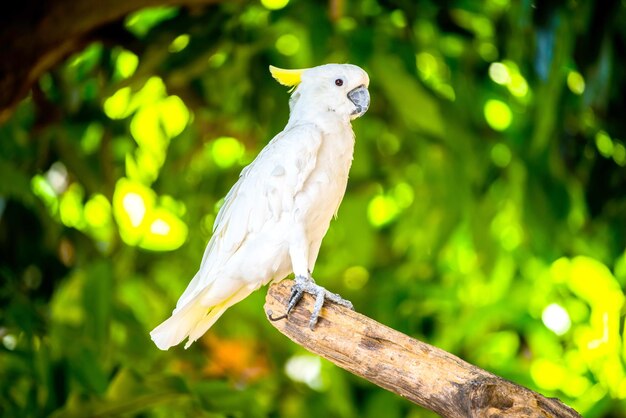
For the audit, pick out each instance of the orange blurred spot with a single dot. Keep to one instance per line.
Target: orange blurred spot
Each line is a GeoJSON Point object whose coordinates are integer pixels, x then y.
{"type": "Point", "coordinates": [67, 253]}
{"type": "Point", "coordinates": [240, 359]}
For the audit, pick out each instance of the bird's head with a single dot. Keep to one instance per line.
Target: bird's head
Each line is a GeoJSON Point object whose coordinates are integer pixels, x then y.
{"type": "Point", "coordinates": [335, 88]}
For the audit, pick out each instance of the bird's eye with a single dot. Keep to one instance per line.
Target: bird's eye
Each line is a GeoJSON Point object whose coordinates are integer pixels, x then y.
{"type": "Point", "coordinates": [338, 82]}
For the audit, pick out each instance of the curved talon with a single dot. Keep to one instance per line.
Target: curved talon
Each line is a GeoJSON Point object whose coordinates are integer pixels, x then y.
{"type": "Point", "coordinates": [278, 318]}
{"type": "Point", "coordinates": [296, 295]}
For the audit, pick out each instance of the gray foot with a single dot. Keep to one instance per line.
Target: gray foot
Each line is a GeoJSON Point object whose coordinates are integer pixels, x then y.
{"type": "Point", "coordinates": [307, 284]}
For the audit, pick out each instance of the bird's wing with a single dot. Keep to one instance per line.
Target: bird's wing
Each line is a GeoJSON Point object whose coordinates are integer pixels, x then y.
{"type": "Point", "coordinates": [265, 190]}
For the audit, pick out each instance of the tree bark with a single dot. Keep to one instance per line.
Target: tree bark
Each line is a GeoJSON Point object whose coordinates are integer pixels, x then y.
{"type": "Point", "coordinates": [36, 35]}
{"type": "Point", "coordinates": [425, 375]}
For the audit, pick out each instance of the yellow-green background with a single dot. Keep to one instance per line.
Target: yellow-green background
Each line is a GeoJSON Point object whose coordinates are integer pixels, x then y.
{"type": "Point", "coordinates": [485, 214]}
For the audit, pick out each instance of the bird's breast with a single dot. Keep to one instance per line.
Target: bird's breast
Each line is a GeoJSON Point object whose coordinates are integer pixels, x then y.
{"type": "Point", "coordinates": [327, 183]}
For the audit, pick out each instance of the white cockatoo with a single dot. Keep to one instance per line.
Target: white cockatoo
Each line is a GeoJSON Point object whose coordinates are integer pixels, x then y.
{"type": "Point", "coordinates": [275, 216]}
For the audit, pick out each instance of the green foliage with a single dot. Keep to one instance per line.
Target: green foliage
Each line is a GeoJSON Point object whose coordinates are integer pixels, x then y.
{"type": "Point", "coordinates": [485, 213]}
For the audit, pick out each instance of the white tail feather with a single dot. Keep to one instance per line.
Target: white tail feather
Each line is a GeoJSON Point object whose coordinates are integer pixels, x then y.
{"type": "Point", "coordinates": [206, 323]}
{"type": "Point", "coordinates": [192, 320]}
{"type": "Point", "coordinates": [217, 311]}
{"type": "Point", "coordinates": [177, 327]}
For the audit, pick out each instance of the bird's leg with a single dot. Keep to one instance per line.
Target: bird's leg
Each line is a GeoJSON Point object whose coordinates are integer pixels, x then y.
{"type": "Point", "coordinates": [299, 253]}
{"type": "Point", "coordinates": [307, 284]}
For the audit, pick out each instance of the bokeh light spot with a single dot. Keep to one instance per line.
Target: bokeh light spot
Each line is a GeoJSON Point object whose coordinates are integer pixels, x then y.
{"type": "Point", "coordinates": [42, 189]}
{"type": "Point", "coordinates": [71, 206]}
{"type": "Point", "coordinates": [426, 64]}
{"type": "Point", "coordinates": [560, 270]}
{"type": "Point", "coordinates": [165, 233]}
{"type": "Point", "coordinates": [604, 144]}
{"type": "Point", "coordinates": [499, 73]}
{"type": "Point", "coordinates": [576, 82]}
{"type": "Point", "coordinates": [446, 91]}
{"type": "Point", "coordinates": [547, 374]}
{"type": "Point", "coordinates": [57, 177]}
{"type": "Point", "coordinates": [306, 369]}
{"type": "Point", "coordinates": [274, 4]}
{"type": "Point", "coordinates": [518, 85]}
{"type": "Point", "coordinates": [124, 102]}
{"type": "Point", "coordinates": [619, 154]}
{"type": "Point", "coordinates": [126, 63]}
{"type": "Point", "coordinates": [179, 43]}
{"type": "Point", "coordinates": [501, 155]}
{"type": "Point", "coordinates": [355, 277]}
{"type": "Point", "coordinates": [403, 195]}
{"type": "Point", "coordinates": [498, 4]}
{"type": "Point", "coordinates": [451, 45]}
{"type": "Point", "coordinates": [488, 51]}
{"type": "Point", "coordinates": [398, 19]}
{"type": "Point", "coordinates": [482, 26]}
{"type": "Point", "coordinates": [382, 210]}
{"type": "Point", "coordinates": [146, 129]}
{"type": "Point", "coordinates": [346, 24]}
{"type": "Point", "coordinates": [135, 207]}
{"type": "Point", "coordinates": [159, 227]}
{"type": "Point", "coordinates": [288, 44]}
{"type": "Point", "coordinates": [556, 319]}
{"type": "Point", "coordinates": [141, 222]}
{"type": "Point", "coordinates": [140, 22]}
{"type": "Point", "coordinates": [97, 211]}
{"type": "Point", "coordinates": [227, 151]}
{"type": "Point", "coordinates": [9, 342]}
{"type": "Point", "coordinates": [498, 114]}
{"type": "Point", "coordinates": [174, 115]}
{"type": "Point", "coordinates": [116, 106]}
{"type": "Point", "coordinates": [511, 237]}
{"type": "Point", "coordinates": [216, 60]}
{"type": "Point", "coordinates": [90, 142]}
{"type": "Point", "coordinates": [593, 281]}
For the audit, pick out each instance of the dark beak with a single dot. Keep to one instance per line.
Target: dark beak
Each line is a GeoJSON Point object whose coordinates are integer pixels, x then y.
{"type": "Point", "coordinates": [360, 96]}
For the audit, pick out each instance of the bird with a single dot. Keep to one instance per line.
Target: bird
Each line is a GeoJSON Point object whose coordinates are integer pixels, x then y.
{"type": "Point", "coordinates": [274, 218]}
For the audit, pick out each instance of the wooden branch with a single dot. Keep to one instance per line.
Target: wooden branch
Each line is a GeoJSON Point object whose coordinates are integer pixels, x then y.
{"type": "Point", "coordinates": [426, 375]}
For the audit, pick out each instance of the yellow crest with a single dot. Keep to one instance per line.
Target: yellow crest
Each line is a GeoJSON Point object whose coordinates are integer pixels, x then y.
{"type": "Point", "coordinates": [289, 78]}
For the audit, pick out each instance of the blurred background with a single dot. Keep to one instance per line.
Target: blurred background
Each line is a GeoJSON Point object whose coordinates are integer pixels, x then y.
{"type": "Point", "coordinates": [485, 213]}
